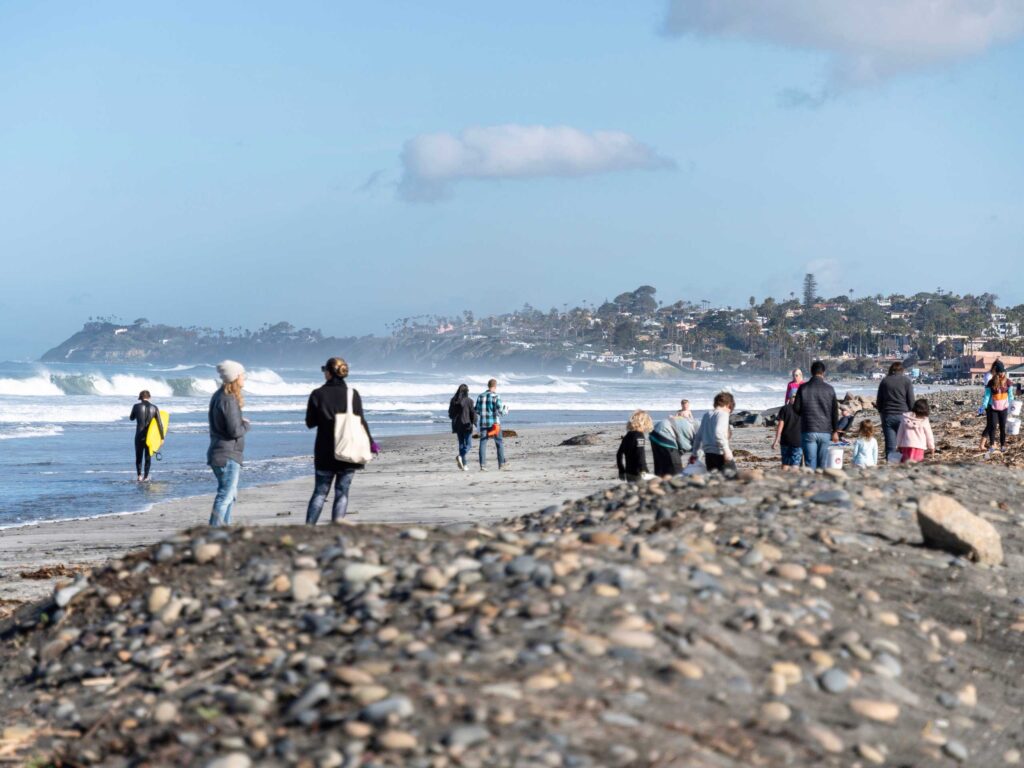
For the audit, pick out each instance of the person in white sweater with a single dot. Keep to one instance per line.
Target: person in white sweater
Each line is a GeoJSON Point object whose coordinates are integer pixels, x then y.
{"type": "Point", "coordinates": [714, 433]}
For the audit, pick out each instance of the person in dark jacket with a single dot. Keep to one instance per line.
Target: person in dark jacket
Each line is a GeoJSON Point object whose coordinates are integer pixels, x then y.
{"type": "Point", "coordinates": [463, 416]}
{"type": "Point", "coordinates": [143, 413]}
{"type": "Point", "coordinates": [324, 403]}
{"type": "Point", "coordinates": [631, 458]}
{"type": "Point", "coordinates": [227, 439]}
{"type": "Point", "coordinates": [818, 407]}
{"type": "Point", "coordinates": [895, 397]}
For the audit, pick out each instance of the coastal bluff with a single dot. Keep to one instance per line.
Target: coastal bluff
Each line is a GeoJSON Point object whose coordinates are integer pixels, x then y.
{"type": "Point", "coordinates": [758, 618]}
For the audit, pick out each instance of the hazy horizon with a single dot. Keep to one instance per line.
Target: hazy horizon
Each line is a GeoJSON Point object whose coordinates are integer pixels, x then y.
{"type": "Point", "coordinates": [342, 166]}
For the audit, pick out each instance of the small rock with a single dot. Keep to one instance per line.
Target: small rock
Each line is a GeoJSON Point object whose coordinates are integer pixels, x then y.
{"type": "Point", "coordinates": [956, 750]}
{"type": "Point", "coordinates": [631, 638]}
{"type": "Point", "coordinates": [465, 736]}
{"type": "Point", "coordinates": [165, 712]}
{"type": "Point", "coordinates": [775, 712]}
{"type": "Point", "coordinates": [305, 586]}
{"type": "Point", "coordinates": [159, 596]}
{"type": "Point", "coordinates": [432, 578]}
{"type": "Point", "coordinates": [790, 571]}
{"type": "Point", "coordinates": [357, 573]}
{"type": "Point", "coordinates": [204, 553]}
{"type": "Point", "coordinates": [834, 680]}
{"type": "Point", "coordinates": [233, 760]}
{"type": "Point", "coordinates": [397, 741]}
{"type": "Point", "coordinates": [872, 709]}
{"type": "Point", "coordinates": [870, 753]}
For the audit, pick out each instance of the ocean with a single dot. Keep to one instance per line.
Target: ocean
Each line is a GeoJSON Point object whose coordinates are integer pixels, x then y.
{"type": "Point", "coordinates": [66, 444]}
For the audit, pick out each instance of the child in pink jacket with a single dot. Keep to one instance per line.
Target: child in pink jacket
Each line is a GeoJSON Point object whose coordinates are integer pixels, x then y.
{"type": "Point", "coordinates": [915, 433]}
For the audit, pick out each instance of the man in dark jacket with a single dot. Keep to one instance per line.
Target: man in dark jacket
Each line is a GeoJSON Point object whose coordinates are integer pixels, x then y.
{"type": "Point", "coordinates": [324, 403]}
{"type": "Point", "coordinates": [895, 397]}
{"type": "Point", "coordinates": [143, 413]}
{"type": "Point", "coordinates": [818, 406]}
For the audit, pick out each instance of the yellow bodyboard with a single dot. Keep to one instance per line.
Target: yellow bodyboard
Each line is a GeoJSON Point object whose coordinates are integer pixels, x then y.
{"type": "Point", "coordinates": [153, 440]}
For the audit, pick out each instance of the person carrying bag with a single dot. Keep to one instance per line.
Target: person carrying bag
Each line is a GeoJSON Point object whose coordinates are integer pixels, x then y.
{"type": "Point", "coordinates": [343, 440]}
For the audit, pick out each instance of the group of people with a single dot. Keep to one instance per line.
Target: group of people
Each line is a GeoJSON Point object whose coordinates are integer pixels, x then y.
{"type": "Point", "coordinates": [228, 428]}
{"type": "Point", "coordinates": [486, 414]}
{"type": "Point", "coordinates": [812, 421]}
{"type": "Point", "coordinates": [325, 410]}
{"type": "Point", "coordinates": [809, 425]}
{"type": "Point", "coordinates": [676, 437]}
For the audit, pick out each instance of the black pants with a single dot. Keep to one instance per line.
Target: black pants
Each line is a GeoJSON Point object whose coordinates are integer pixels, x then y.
{"type": "Point", "coordinates": [714, 461]}
{"type": "Point", "coordinates": [993, 418]}
{"type": "Point", "coordinates": [142, 452]}
{"type": "Point", "coordinates": [666, 460]}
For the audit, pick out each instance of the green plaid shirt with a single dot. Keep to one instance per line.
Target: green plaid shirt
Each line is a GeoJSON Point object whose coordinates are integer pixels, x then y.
{"type": "Point", "coordinates": [489, 409]}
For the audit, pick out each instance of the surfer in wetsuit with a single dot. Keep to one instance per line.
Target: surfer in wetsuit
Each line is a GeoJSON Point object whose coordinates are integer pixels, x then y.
{"type": "Point", "coordinates": [143, 413]}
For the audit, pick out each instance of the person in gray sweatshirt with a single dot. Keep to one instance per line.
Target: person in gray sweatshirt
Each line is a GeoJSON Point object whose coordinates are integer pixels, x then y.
{"type": "Point", "coordinates": [671, 439]}
{"type": "Point", "coordinates": [713, 434]}
{"type": "Point", "coordinates": [227, 439]}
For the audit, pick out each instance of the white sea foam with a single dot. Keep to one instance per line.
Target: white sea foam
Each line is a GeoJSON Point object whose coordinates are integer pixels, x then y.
{"type": "Point", "coordinates": [35, 386]}
{"type": "Point", "coordinates": [22, 432]}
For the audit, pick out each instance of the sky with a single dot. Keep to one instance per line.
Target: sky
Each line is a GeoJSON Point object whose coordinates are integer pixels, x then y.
{"type": "Point", "coordinates": [340, 165]}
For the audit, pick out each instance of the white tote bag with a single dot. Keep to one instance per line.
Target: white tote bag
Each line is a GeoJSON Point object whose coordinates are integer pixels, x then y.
{"type": "Point", "coordinates": [351, 443]}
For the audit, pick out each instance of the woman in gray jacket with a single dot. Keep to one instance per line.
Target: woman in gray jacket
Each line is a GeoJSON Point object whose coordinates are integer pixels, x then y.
{"type": "Point", "coordinates": [227, 439]}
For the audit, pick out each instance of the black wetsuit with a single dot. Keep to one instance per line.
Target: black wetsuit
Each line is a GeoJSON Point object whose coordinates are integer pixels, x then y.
{"type": "Point", "coordinates": [143, 413]}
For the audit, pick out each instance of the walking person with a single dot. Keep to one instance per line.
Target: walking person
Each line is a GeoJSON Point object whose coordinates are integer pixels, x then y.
{"type": "Point", "coordinates": [714, 433]}
{"type": "Point", "coordinates": [463, 416]}
{"type": "Point", "coordinates": [227, 439]}
{"type": "Point", "coordinates": [631, 458]}
{"type": "Point", "coordinates": [996, 406]}
{"type": "Point", "coordinates": [787, 435]}
{"type": "Point", "coordinates": [325, 404]}
{"type": "Point", "coordinates": [671, 439]}
{"type": "Point", "coordinates": [794, 384]}
{"type": "Point", "coordinates": [143, 413]}
{"type": "Point", "coordinates": [489, 410]}
{"type": "Point", "coordinates": [818, 407]}
{"type": "Point", "coordinates": [895, 397]}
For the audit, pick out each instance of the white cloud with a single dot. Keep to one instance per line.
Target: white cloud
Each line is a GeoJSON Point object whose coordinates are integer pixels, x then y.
{"type": "Point", "coordinates": [868, 41]}
{"type": "Point", "coordinates": [432, 163]}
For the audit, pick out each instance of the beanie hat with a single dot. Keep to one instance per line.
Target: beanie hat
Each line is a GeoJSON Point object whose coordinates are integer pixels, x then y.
{"type": "Point", "coordinates": [229, 370]}
{"type": "Point", "coordinates": [1000, 368]}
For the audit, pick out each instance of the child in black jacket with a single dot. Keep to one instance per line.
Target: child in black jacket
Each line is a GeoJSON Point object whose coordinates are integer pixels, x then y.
{"type": "Point", "coordinates": [632, 456]}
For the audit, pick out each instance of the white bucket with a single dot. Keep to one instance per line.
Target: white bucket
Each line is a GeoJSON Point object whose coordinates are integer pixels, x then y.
{"type": "Point", "coordinates": [835, 457]}
{"type": "Point", "coordinates": [1013, 426]}
{"type": "Point", "coordinates": [1015, 407]}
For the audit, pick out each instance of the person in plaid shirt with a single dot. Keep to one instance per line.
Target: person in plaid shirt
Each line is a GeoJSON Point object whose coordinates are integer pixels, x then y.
{"type": "Point", "coordinates": [490, 409]}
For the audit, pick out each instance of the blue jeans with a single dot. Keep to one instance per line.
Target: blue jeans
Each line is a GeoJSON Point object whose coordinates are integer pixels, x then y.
{"type": "Point", "coordinates": [227, 492]}
{"type": "Point", "coordinates": [465, 444]}
{"type": "Point", "coordinates": [341, 481]}
{"type": "Point", "coordinates": [791, 457]}
{"type": "Point", "coordinates": [816, 445]}
{"type": "Point", "coordinates": [483, 448]}
{"type": "Point", "coordinates": [890, 428]}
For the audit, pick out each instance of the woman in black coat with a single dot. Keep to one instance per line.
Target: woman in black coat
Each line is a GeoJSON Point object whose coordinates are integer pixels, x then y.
{"type": "Point", "coordinates": [463, 416]}
{"type": "Point", "coordinates": [324, 403]}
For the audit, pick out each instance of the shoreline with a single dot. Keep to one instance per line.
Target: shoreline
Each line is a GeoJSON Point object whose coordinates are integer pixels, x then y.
{"type": "Point", "coordinates": [415, 481]}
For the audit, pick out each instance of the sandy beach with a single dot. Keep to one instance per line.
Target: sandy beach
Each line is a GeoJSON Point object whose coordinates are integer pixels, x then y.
{"type": "Point", "coordinates": [414, 481]}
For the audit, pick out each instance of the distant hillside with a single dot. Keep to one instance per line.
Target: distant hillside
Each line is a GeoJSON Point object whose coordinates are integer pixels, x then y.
{"type": "Point", "coordinates": [103, 341]}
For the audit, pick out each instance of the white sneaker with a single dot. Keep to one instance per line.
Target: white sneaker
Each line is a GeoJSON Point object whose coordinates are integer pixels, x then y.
{"type": "Point", "coordinates": [458, 460]}
{"type": "Point", "coordinates": [483, 469]}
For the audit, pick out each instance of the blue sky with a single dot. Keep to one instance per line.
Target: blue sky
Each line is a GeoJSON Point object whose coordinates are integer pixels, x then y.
{"type": "Point", "coordinates": [340, 165]}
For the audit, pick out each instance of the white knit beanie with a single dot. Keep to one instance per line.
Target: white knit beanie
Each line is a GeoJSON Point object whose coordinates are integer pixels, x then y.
{"type": "Point", "coordinates": [229, 370]}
